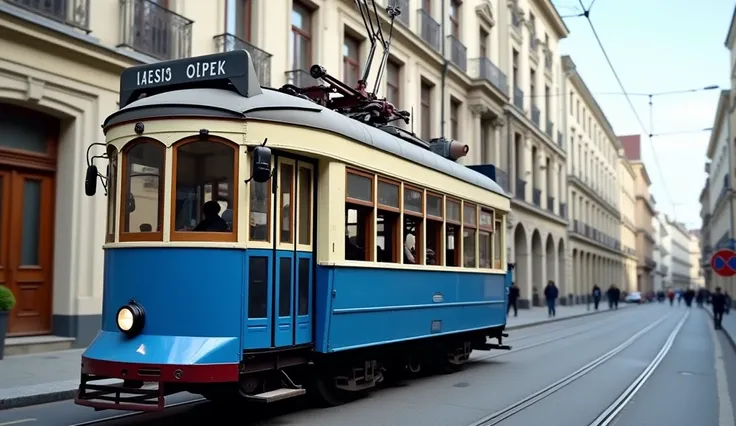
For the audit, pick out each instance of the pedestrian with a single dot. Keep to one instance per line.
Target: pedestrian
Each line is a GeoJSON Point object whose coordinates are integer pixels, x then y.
{"type": "Point", "coordinates": [689, 296]}
{"type": "Point", "coordinates": [513, 298]}
{"type": "Point", "coordinates": [671, 296]}
{"type": "Point", "coordinates": [718, 302]}
{"type": "Point", "coordinates": [616, 296]}
{"type": "Point", "coordinates": [611, 294]}
{"type": "Point", "coordinates": [551, 293]}
{"type": "Point", "coordinates": [596, 296]}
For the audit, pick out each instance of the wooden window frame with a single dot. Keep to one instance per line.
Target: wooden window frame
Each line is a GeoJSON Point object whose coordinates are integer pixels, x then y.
{"type": "Point", "coordinates": [454, 119]}
{"type": "Point", "coordinates": [385, 206]}
{"type": "Point", "coordinates": [455, 20]}
{"type": "Point", "coordinates": [419, 256]}
{"type": "Point", "coordinates": [231, 236]}
{"type": "Point", "coordinates": [298, 32]}
{"type": "Point", "coordinates": [370, 231]}
{"type": "Point", "coordinates": [246, 7]}
{"type": "Point", "coordinates": [482, 209]}
{"type": "Point", "coordinates": [112, 191]}
{"type": "Point", "coordinates": [292, 204]}
{"type": "Point", "coordinates": [349, 63]}
{"type": "Point", "coordinates": [310, 204]}
{"type": "Point", "coordinates": [141, 236]}
{"type": "Point", "coordinates": [486, 228]}
{"type": "Point", "coordinates": [474, 227]}
{"type": "Point", "coordinates": [390, 85]}
{"type": "Point", "coordinates": [439, 255]}
{"type": "Point", "coordinates": [501, 248]}
{"type": "Point", "coordinates": [459, 225]}
{"type": "Point", "coordinates": [426, 121]}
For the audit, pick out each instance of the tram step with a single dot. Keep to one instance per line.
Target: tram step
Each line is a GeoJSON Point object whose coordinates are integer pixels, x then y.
{"type": "Point", "coordinates": [277, 395]}
{"type": "Point", "coordinates": [489, 346]}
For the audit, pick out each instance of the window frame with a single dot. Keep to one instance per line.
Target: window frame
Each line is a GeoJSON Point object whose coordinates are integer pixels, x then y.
{"type": "Point", "coordinates": [244, 8]}
{"type": "Point", "coordinates": [305, 35]}
{"type": "Point", "coordinates": [288, 162]}
{"type": "Point", "coordinates": [488, 229]}
{"type": "Point", "coordinates": [231, 236]}
{"type": "Point", "coordinates": [459, 236]}
{"type": "Point", "coordinates": [351, 64]}
{"type": "Point", "coordinates": [440, 252]}
{"type": "Point", "coordinates": [141, 236]}
{"type": "Point", "coordinates": [474, 227]}
{"type": "Point", "coordinates": [370, 225]}
{"type": "Point", "coordinates": [419, 249]}
{"type": "Point", "coordinates": [112, 192]}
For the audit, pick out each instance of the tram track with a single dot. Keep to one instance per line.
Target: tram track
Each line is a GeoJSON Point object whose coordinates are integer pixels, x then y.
{"type": "Point", "coordinates": [608, 415]}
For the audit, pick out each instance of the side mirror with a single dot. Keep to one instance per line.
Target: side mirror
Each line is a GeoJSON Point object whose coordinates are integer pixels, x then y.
{"type": "Point", "coordinates": [90, 181]}
{"type": "Point", "coordinates": [261, 164]}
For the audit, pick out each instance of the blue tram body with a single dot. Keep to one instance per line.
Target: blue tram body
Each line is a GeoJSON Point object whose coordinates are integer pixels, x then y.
{"type": "Point", "coordinates": [270, 320]}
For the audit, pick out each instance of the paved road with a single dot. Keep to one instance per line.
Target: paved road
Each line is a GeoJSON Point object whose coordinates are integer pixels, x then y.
{"type": "Point", "coordinates": [685, 383]}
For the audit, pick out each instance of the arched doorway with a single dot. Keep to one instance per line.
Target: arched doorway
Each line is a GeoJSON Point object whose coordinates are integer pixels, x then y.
{"type": "Point", "coordinates": [537, 284]}
{"type": "Point", "coordinates": [521, 270]}
{"type": "Point", "coordinates": [549, 253]}
{"type": "Point", "coordinates": [28, 147]}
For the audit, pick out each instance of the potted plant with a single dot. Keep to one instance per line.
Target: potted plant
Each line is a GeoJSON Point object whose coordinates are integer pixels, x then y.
{"type": "Point", "coordinates": [7, 302]}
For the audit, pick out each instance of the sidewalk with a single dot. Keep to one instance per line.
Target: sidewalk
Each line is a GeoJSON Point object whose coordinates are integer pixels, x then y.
{"type": "Point", "coordinates": [728, 324]}
{"type": "Point", "coordinates": [54, 376]}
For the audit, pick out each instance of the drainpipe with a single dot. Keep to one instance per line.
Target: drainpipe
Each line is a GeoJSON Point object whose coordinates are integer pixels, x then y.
{"type": "Point", "coordinates": [445, 67]}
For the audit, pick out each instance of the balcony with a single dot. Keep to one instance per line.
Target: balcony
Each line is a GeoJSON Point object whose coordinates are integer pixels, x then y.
{"type": "Point", "coordinates": [537, 196]}
{"type": "Point", "coordinates": [429, 29]}
{"type": "Point", "coordinates": [649, 263]}
{"type": "Point", "coordinates": [551, 204]}
{"type": "Point", "coordinates": [458, 53]}
{"type": "Point", "coordinates": [155, 30]}
{"type": "Point", "coordinates": [403, 6]}
{"type": "Point", "coordinates": [261, 59]}
{"type": "Point", "coordinates": [520, 189]}
{"type": "Point", "coordinates": [518, 98]}
{"type": "Point", "coordinates": [483, 69]}
{"type": "Point", "coordinates": [535, 115]}
{"type": "Point", "coordinates": [563, 210]}
{"type": "Point", "coordinates": [74, 13]}
{"type": "Point", "coordinates": [300, 78]}
{"type": "Point", "coordinates": [550, 129]}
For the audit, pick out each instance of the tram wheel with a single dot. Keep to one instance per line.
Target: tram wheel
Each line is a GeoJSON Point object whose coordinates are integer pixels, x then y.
{"type": "Point", "coordinates": [324, 393]}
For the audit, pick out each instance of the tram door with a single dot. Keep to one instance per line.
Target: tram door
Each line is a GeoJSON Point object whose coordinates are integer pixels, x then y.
{"type": "Point", "coordinates": [293, 264]}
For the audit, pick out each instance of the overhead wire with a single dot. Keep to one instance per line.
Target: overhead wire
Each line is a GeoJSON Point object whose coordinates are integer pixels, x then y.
{"type": "Point", "coordinates": [586, 14]}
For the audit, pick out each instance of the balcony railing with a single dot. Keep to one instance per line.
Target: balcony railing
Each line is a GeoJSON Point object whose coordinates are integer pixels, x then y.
{"type": "Point", "coordinates": [551, 204]}
{"type": "Point", "coordinates": [535, 115]}
{"type": "Point", "coordinates": [70, 12]}
{"type": "Point", "coordinates": [483, 68]}
{"type": "Point", "coordinates": [429, 29]}
{"type": "Point", "coordinates": [563, 210]}
{"type": "Point", "coordinates": [403, 5]}
{"type": "Point", "coordinates": [550, 128]}
{"type": "Point", "coordinates": [458, 53]}
{"type": "Point", "coordinates": [300, 78]}
{"type": "Point", "coordinates": [261, 59]}
{"type": "Point", "coordinates": [520, 188]}
{"type": "Point", "coordinates": [155, 30]}
{"type": "Point", "coordinates": [502, 179]}
{"type": "Point", "coordinates": [518, 98]}
{"type": "Point", "coordinates": [537, 197]}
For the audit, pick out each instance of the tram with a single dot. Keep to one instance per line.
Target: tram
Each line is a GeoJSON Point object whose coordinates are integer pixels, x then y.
{"type": "Point", "coordinates": [266, 243]}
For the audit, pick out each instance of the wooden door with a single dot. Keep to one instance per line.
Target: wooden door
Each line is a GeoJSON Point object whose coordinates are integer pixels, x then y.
{"type": "Point", "coordinates": [26, 237]}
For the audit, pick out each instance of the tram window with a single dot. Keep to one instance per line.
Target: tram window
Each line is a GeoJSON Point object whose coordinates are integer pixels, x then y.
{"type": "Point", "coordinates": [497, 246]}
{"type": "Point", "coordinates": [142, 194]}
{"type": "Point", "coordinates": [304, 224]}
{"type": "Point", "coordinates": [470, 223]}
{"type": "Point", "coordinates": [358, 220]}
{"type": "Point", "coordinates": [205, 189]}
{"type": "Point", "coordinates": [387, 236]}
{"type": "Point", "coordinates": [434, 229]}
{"type": "Point", "coordinates": [485, 241]}
{"type": "Point", "coordinates": [112, 190]}
{"type": "Point", "coordinates": [388, 194]}
{"type": "Point", "coordinates": [359, 187]}
{"type": "Point", "coordinates": [260, 200]}
{"type": "Point", "coordinates": [412, 226]}
{"type": "Point", "coordinates": [286, 195]}
{"type": "Point", "coordinates": [452, 232]}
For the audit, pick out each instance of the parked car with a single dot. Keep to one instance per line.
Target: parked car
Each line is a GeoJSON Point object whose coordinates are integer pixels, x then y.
{"type": "Point", "coordinates": [634, 297]}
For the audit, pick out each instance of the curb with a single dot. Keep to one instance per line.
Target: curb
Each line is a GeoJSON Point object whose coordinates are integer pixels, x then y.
{"type": "Point", "coordinates": [38, 394]}
{"type": "Point", "coordinates": [569, 317]}
{"type": "Point", "coordinates": [729, 337]}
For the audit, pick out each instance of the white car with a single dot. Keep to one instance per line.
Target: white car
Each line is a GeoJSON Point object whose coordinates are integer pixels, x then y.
{"type": "Point", "coordinates": [633, 297]}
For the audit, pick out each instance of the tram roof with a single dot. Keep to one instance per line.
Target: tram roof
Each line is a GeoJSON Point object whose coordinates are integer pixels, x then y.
{"type": "Point", "coordinates": [271, 105]}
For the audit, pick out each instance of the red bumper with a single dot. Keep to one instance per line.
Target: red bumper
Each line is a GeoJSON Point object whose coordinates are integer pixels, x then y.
{"type": "Point", "coordinates": [122, 397]}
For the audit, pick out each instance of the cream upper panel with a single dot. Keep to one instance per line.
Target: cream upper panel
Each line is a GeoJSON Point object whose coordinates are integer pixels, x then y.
{"type": "Point", "coordinates": [310, 142]}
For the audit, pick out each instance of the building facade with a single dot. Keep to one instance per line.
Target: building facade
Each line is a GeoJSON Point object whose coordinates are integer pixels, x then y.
{"type": "Point", "coordinates": [661, 254]}
{"type": "Point", "coordinates": [594, 189]}
{"type": "Point", "coordinates": [697, 278]}
{"type": "Point", "coordinates": [645, 210]}
{"type": "Point", "coordinates": [678, 247]}
{"type": "Point", "coordinates": [627, 206]}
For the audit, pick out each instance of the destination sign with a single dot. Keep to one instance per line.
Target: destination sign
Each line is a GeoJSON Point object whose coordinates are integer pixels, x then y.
{"type": "Point", "coordinates": [218, 70]}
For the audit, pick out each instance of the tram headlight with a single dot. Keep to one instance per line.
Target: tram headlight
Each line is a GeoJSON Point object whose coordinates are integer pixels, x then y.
{"type": "Point", "coordinates": [131, 318]}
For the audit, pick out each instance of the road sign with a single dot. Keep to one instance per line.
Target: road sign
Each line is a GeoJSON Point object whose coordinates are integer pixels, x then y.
{"type": "Point", "coordinates": [723, 263]}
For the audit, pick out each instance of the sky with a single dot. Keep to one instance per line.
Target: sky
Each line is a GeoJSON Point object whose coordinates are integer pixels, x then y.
{"type": "Point", "coordinates": [657, 46]}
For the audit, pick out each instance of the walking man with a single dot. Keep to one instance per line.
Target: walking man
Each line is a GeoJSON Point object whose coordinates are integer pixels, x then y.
{"type": "Point", "coordinates": [718, 302]}
{"type": "Point", "coordinates": [551, 293]}
{"type": "Point", "coordinates": [596, 296]}
{"type": "Point", "coordinates": [513, 297]}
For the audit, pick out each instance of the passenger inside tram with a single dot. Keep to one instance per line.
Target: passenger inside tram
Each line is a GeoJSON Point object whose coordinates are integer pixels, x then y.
{"type": "Point", "coordinates": [212, 222]}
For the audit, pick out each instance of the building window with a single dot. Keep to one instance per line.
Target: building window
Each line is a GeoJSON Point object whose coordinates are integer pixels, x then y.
{"type": "Point", "coordinates": [205, 188]}
{"type": "Point", "coordinates": [455, 18]}
{"type": "Point", "coordinates": [350, 60]}
{"type": "Point", "coordinates": [300, 46]}
{"type": "Point", "coordinates": [393, 83]}
{"type": "Point", "coordinates": [454, 124]}
{"type": "Point", "coordinates": [427, 6]}
{"type": "Point", "coordinates": [515, 59]}
{"type": "Point", "coordinates": [532, 80]}
{"type": "Point", "coordinates": [572, 110]}
{"type": "Point", "coordinates": [359, 216]}
{"type": "Point", "coordinates": [547, 107]}
{"type": "Point", "coordinates": [426, 99]}
{"type": "Point", "coordinates": [142, 191]}
{"type": "Point", "coordinates": [483, 43]}
{"type": "Point", "coordinates": [238, 18]}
